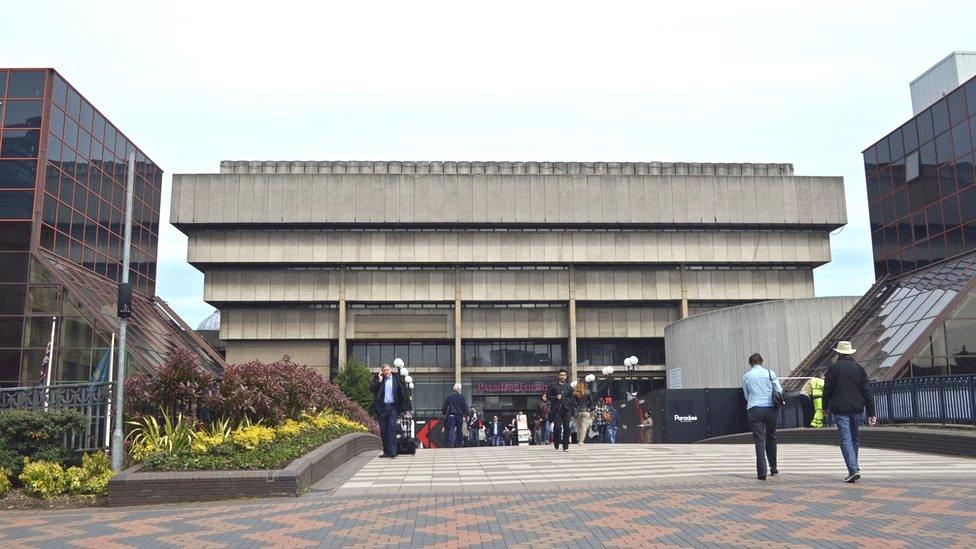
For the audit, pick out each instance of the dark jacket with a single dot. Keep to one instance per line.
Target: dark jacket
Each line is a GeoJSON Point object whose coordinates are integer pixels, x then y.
{"type": "Point", "coordinates": [495, 427]}
{"type": "Point", "coordinates": [543, 410]}
{"type": "Point", "coordinates": [455, 405]}
{"type": "Point", "coordinates": [568, 401]}
{"type": "Point", "coordinates": [847, 389]}
{"type": "Point", "coordinates": [399, 395]}
{"type": "Point", "coordinates": [614, 417]}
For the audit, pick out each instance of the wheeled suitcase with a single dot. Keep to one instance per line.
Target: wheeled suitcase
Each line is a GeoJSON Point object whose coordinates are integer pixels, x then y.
{"type": "Point", "coordinates": [406, 445]}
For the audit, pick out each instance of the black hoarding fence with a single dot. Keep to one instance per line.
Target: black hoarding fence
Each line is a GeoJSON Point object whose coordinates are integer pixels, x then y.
{"type": "Point", "coordinates": [91, 400]}
{"type": "Point", "coordinates": [690, 415]}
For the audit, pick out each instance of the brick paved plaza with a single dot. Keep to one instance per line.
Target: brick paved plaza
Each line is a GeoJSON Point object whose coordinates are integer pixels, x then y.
{"type": "Point", "coordinates": [683, 497]}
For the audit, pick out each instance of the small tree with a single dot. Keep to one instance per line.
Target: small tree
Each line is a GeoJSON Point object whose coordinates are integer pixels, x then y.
{"type": "Point", "coordinates": [354, 381]}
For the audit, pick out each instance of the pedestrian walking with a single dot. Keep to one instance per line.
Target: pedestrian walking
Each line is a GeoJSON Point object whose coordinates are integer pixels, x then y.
{"type": "Point", "coordinates": [584, 412]}
{"type": "Point", "coordinates": [760, 386]}
{"type": "Point", "coordinates": [563, 408]}
{"type": "Point", "coordinates": [846, 394]}
{"type": "Point", "coordinates": [543, 411]}
{"type": "Point", "coordinates": [611, 423]}
{"type": "Point", "coordinates": [389, 401]}
{"type": "Point", "coordinates": [813, 388]}
{"type": "Point", "coordinates": [475, 426]}
{"type": "Point", "coordinates": [495, 429]}
{"type": "Point", "coordinates": [647, 426]}
{"type": "Point", "coordinates": [453, 410]}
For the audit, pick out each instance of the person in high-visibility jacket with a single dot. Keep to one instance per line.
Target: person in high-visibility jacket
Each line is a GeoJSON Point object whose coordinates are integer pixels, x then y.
{"type": "Point", "coordinates": [816, 394]}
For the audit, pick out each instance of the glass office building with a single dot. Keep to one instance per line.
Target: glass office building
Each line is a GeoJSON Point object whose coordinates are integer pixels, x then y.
{"type": "Point", "coordinates": [62, 199]}
{"type": "Point", "coordinates": [919, 318]}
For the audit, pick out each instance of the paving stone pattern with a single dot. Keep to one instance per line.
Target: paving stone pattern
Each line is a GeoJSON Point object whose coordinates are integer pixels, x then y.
{"type": "Point", "coordinates": [917, 508]}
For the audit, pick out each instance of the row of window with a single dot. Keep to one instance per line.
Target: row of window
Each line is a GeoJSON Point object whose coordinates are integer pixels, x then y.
{"type": "Point", "coordinates": [508, 353]}
{"type": "Point", "coordinates": [22, 84]}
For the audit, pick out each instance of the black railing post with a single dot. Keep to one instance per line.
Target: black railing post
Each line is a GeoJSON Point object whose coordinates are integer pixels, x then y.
{"type": "Point", "coordinates": [914, 388]}
{"type": "Point", "coordinates": [942, 400]}
{"type": "Point", "coordinates": [972, 399]}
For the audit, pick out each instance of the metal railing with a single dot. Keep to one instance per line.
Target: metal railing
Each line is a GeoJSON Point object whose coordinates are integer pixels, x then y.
{"type": "Point", "coordinates": [89, 399]}
{"type": "Point", "coordinates": [936, 399]}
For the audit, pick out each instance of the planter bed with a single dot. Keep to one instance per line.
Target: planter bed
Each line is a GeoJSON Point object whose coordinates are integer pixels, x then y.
{"type": "Point", "coordinates": [136, 486]}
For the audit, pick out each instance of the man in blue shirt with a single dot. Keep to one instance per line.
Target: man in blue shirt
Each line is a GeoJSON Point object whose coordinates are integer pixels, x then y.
{"type": "Point", "coordinates": [758, 385]}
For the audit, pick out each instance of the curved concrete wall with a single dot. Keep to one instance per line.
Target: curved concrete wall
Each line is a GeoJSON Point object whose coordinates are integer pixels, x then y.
{"type": "Point", "coordinates": [712, 349]}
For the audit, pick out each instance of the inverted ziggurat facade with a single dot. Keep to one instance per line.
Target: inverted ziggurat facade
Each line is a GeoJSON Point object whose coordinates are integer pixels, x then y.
{"type": "Point", "coordinates": [494, 273]}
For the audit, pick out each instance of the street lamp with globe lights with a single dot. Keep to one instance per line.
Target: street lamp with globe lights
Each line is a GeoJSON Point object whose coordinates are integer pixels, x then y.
{"type": "Point", "coordinates": [408, 381]}
{"type": "Point", "coordinates": [631, 364]}
{"type": "Point", "coordinates": [608, 371]}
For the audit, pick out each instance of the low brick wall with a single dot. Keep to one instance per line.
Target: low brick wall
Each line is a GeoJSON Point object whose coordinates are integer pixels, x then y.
{"type": "Point", "coordinates": [136, 487]}
{"type": "Point", "coordinates": [952, 442]}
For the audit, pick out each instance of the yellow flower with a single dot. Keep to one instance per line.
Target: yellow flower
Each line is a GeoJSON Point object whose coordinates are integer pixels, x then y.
{"type": "Point", "coordinates": [251, 437]}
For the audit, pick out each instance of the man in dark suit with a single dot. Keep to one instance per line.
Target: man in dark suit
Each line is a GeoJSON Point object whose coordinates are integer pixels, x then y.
{"type": "Point", "coordinates": [453, 410]}
{"type": "Point", "coordinates": [389, 401]}
{"type": "Point", "coordinates": [846, 393]}
{"type": "Point", "coordinates": [563, 403]}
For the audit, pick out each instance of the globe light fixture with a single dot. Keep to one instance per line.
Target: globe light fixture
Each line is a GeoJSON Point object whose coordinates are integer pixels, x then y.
{"type": "Point", "coordinates": [398, 362]}
{"type": "Point", "coordinates": [404, 372]}
{"type": "Point", "coordinates": [409, 380]}
{"type": "Point", "coordinates": [590, 378]}
{"type": "Point", "coordinates": [573, 384]}
{"type": "Point", "coordinates": [411, 386]}
{"type": "Point", "coordinates": [609, 370]}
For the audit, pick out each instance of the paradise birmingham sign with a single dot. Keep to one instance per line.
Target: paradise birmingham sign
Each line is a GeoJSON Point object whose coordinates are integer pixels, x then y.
{"type": "Point", "coordinates": [516, 387]}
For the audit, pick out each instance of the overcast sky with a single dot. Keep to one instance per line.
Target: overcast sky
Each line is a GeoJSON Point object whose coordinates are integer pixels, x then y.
{"type": "Point", "coordinates": [193, 83]}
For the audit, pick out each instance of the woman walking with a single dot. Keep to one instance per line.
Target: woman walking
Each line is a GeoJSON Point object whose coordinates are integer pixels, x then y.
{"type": "Point", "coordinates": [759, 385]}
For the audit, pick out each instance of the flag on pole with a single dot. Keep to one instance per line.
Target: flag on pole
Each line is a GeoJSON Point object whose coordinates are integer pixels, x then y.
{"type": "Point", "coordinates": [45, 378]}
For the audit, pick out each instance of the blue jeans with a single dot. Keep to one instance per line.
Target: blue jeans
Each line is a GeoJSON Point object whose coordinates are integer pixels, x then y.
{"type": "Point", "coordinates": [388, 422]}
{"type": "Point", "coordinates": [454, 431]}
{"type": "Point", "coordinates": [847, 433]}
{"type": "Point", "coordinates": [610, 435]}
{"type": "Point", "coordinates": [496, 440]}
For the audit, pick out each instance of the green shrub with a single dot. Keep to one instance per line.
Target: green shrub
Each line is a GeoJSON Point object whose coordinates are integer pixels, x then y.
{"type": "Point", "coordinates": [4, 481]}
{"type": "Point", "coordinates": [354, 381]}
{"type": "Point", "coordinates": [92, 477]}
{"type": "Point", "coordinates": [36, 434]}
{"type": "Point", "coordinates": [43, 479]}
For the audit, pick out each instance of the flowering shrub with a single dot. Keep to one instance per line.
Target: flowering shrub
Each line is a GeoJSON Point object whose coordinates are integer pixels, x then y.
{"type": "Point", "coordinates": [291, 428]}
{"type": "Point", "coordinates": [38, 435]}
{"type": "Point", "coordinates": [203, 443]}
{"type": "Point", "coordinates": [92, 477]}
{"type": "Point", "coordinates": [149, 437]}
{"type": "Point", "coordinates": [43, 479]}
{"type": "Point", "coordinates": [251, 437]}
{"type": "Point", "coordinates": [4, 481]}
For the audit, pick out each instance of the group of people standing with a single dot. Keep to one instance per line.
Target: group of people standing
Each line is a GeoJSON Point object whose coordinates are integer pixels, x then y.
{"type": "Point", "coordinates": [845, 393]}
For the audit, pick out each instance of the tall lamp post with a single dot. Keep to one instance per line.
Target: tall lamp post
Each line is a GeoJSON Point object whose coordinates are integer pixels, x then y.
{"type": "Point", "coordinates": [631, 364]}
{"type": "Point", "coordinates": [608, 371]}
{"type": "Point", "coordinates": [408, 380]}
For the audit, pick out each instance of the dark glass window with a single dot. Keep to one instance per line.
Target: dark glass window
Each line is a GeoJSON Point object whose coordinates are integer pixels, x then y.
{"type": "Point", "coordinates": [950, 212]}
{"type": "Point", "coordinates": [947, 179]}
{"type": "Point", "coordinates": [22, 114]}
{"type": "Point", "coordinates": [924, 122]}
{"type": "Point", "coordinates": [911, 166]}
{"type": "Point", "coordinates": [960, 140]}
{"type": "Point", "coordinates": [12, 299]}
{"type": "Point", "coordinates": [965, 172]}
{"type": "Point", "coordinates": [954, 242]}
{"type": "Point", "coordinates": [884, 156]}
{"type": "Point", "coordinates": [11, 329]}
{"type": "Point", "coordinates": [59, 91]}
{"type": "Point", "coordinates": [901, 203]}
{"type": "Point", "coordinates": [909, 135]}
{"type": "Point", "coordinates": [3, 81]}
{"type": "Point", "coordinates": [940, 116]}
{"type": "Point", "coordinates": [17, 174]}
{"type": "Point", "coordinates": [20, 143]}
{"type": "Point", "coordinates": [895, 145]}
{"type": "Point", "coordinates": [98, 127]}
{"type": "Point", "coordinates": [943, 148]}
{"type": "Point", "coordinates": [971, 96]}
{"type": "Point", "coordinates": [957, 106]}
{"type": "Point", "coordinates": [74, 104]}
{"type": "Point", "coordinates": [14, 236]}
{"type": "Point", "coordinates": [927, 158]}
{"type": "Point", "coordinates": [967, 204]}
{"type": "Point", "coordinates": [14, 267]}
{"type": "Point", "coordinates": [56, 121]}
{"type": "Point", "coordinates": [916, 193]}
{"type": "Point", "coordinates": [16, 204]}
{"type": "Point", "coordinates": [86, 115]}
{"type": "Point", "coordinates": [919, 227]}
{"type": "Point", "coordinates": [26, 84]}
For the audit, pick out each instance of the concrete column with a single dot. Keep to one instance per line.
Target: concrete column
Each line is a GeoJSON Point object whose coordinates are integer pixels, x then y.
{"type": "Point", "coordinates": [684, 294]}
{"type": "Point", "coordinates": [342, 318]}
{"type": "Point", "coordinates": [457, 324]}
{"type": "Point", "coordinates": [572, 322]}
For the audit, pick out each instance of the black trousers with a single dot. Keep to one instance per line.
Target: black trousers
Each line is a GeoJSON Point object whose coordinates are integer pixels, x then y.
{"type": "Point", "coordinates": [762, 419]}
{"type": "Point", "coordinates": [560, 427]}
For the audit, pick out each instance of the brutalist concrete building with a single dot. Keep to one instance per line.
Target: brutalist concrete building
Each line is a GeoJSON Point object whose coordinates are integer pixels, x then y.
{"type": "Point", "coordinates": [494, 273]}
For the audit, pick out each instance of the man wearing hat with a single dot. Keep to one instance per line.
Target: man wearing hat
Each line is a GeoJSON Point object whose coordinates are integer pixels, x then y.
{"type": "Point", "coordinates": [845, 395]}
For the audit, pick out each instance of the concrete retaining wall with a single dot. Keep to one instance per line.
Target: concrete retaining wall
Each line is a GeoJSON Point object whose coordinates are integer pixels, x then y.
{"type": "Point", "coordinates": [137, 487]}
